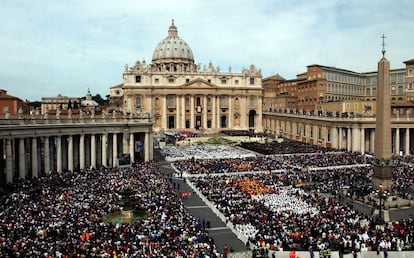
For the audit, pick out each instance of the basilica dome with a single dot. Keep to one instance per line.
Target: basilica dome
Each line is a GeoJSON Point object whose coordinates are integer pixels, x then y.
{"type": "Point", "coordinates": [172, 49]}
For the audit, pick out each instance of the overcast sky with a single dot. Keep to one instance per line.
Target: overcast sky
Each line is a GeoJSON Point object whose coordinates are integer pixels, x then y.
{"type": "Point", "coordinates": [50, 47]}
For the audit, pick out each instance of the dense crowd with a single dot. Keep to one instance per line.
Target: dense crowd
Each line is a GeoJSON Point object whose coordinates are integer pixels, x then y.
{"type": "Point", "coordinates": [61, 215]}
{"type": "Point", "coordinates": [270, 162]}
{"type": "Point", "coordinates": [291, 218]}
{"type": "Point", "coordinates": [286, 146]}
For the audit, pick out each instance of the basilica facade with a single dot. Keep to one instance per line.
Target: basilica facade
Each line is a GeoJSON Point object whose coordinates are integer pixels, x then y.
{"type": "Point", "coordinates": [182, 95]}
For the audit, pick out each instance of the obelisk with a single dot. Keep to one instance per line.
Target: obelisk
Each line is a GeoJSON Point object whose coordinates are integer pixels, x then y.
{"type": "Point", "coordinates": [382, 177]}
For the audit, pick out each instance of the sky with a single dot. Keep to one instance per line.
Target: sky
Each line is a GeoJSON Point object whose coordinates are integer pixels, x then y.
{"type": "Point", "coordinates": [50, 47]}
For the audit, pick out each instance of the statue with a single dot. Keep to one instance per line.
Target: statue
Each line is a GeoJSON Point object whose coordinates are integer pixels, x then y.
{"type": "Point", "coordinates": [58, 113]}
{"type": "Point", "coordinates": [7, 114]}
{"type": "Point", "coordinates": [32, 113]}
{"type": "Point", "coordinates": [93, 113]}
{"type": "Point", "coordinates": [20, 111]}
{"type": "Point", "coordinates": [46, 115]}
{"type": "Point", "coordinates": [80, 114]}
{"type": "Point", "coordinates": [70, 113]}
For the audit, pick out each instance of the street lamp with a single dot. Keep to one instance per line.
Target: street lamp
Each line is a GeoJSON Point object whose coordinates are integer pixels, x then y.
{"type": "Point", "coordinates": [380, 203]}
{"type": "Point", "coordinates": [381, 194]}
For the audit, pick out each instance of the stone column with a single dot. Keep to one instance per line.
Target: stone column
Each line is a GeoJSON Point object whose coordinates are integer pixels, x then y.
{"type": "Point", "coordinates": [147, 147]}
{"type": "Point", "coordinates": [230, 124]}
{"type": "Point", "coordinates": [362, 134]}
{"type": "Point", "coordinates": [183, 112]}
{"type": "Point", "coordinates": [315, 134]}
{"type": "Point", "coordinates": [70, 153]}
{"type": "Point", "coordinates": [372, 140]}
{"type": "Point", "coordinates": [59, 154]}
{"type": "Point", "coordinates": [164, 112]}
{"type": "Point", "coordinates": [307, 128]}
{"type": "Point", "coordinates": [132, 146]}
{"type": "Point", "coordinates": [125, 140]}
{"type": "Point", "coordinates": [205, 113]}
{"type": "Point", "coordinates": [104, 149]}
{"type": "Point", "coordinates": [93, 150]}
{"type": "Point", "coordinates": [340, 138]}
{"type": "Point", "coordinates": [47, 154]}
{"type": "Point", "coordinates": [356, 140]}
{"type": "Point", "coordinates": [9, 161]}
{"type": "Point", "coordinates": [82, 151]}
{"type": "Point", "coordinates": [114, 150]}
{"type": "Point", "coordinates": [407, 142]}
{"type": "Point", "coordinates": [214, 112]}
{"type": "Point", "coordinates": [259, 122]}
{"type": "Point", "coordinates": [397, 141]}
{"type": "Point", "coordinates": [35, 167]}
{"type": "Point", "coordinates": [349, 139]}
{"type": "Point", "coordinates": [334, 138]}
{"type": "Point", "coordinates": [177, 112]}
{"type": "Point", "coordinates": [151, 144]}
{"type": "Point", "coordinates": [22, 159]}
{"type": "Point", "coordinates": [191, 112]}
{"type": "Point", "coordinates": [324, 135]}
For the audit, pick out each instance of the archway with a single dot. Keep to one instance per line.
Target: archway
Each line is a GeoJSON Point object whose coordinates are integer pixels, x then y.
{"type": "Point", "coordinates": [252, 115]}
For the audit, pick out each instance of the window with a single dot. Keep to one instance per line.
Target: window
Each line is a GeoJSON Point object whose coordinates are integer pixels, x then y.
{"type": "Point", "coordinates": [236, 82]}
{"type": "Point", "coordinates": [251, 81]}
{"type": "Point", "coordinates": [223, 81]}
{"type": "Point", "coordinates": [209, 80]}
{"type": "Point", "coordinates": [187, 80]}
{"type": "Point", "coordinates": [157, 80]}
{"type": "Point", "coordinates": [187, 101]}
{"type": "Point", "coordinates": [138, 103]}
{"type": "Point", "coordinates": [223, 101]}
{"type": "Point", "coordinates": [138, 78]}
{"type": "Point", "coordinates": [171, 80]}
{"type": "Point", "coordinates": [170, 101]}
{"type": "Point", "coordinates": [252, 101]}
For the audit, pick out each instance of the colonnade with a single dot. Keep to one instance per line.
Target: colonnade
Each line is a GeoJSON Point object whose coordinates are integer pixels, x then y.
{"type": "Point", "coordinates": [195, 111]}
{"type": "Point", "coordinates": [33, 151]}
{"type": "Point", "coordinates": [357, 135]}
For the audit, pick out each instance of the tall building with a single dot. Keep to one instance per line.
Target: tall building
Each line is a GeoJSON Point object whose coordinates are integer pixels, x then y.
{"type": "Point", "coordinates": [182, 95]}
{"type": "Point", "coordinates": [319, 85]}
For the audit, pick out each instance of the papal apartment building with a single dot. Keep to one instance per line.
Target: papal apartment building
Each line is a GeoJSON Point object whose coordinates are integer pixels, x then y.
{"type": "Point", "coordinates": [324, 88]}
{"type": "Point", "coordinates": [182, 95]}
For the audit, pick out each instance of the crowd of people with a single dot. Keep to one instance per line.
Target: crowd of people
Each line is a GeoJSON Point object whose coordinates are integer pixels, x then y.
{"type": "Point", "coordinates": [295, 219]}
{"type": "Point", "coordinates": [285, 218]}
{"type": "Point", "coordinates": [62, 215]}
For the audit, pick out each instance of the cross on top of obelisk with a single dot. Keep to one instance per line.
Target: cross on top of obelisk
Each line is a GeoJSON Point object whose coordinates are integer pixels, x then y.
{"type": "Point", "coordinates": [383, 45]}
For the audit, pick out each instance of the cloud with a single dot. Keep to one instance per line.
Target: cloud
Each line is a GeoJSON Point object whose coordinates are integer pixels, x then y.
{"type": "Point", "coordinates": [66, 47]}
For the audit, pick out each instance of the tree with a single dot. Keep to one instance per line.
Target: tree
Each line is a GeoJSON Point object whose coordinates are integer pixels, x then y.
{"type": "Point", "coordinates": [100, 100]}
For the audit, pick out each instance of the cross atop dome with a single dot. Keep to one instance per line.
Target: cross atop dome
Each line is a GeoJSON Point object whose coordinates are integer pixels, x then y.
{"type": "Point", "coordinates": [172, 31]}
